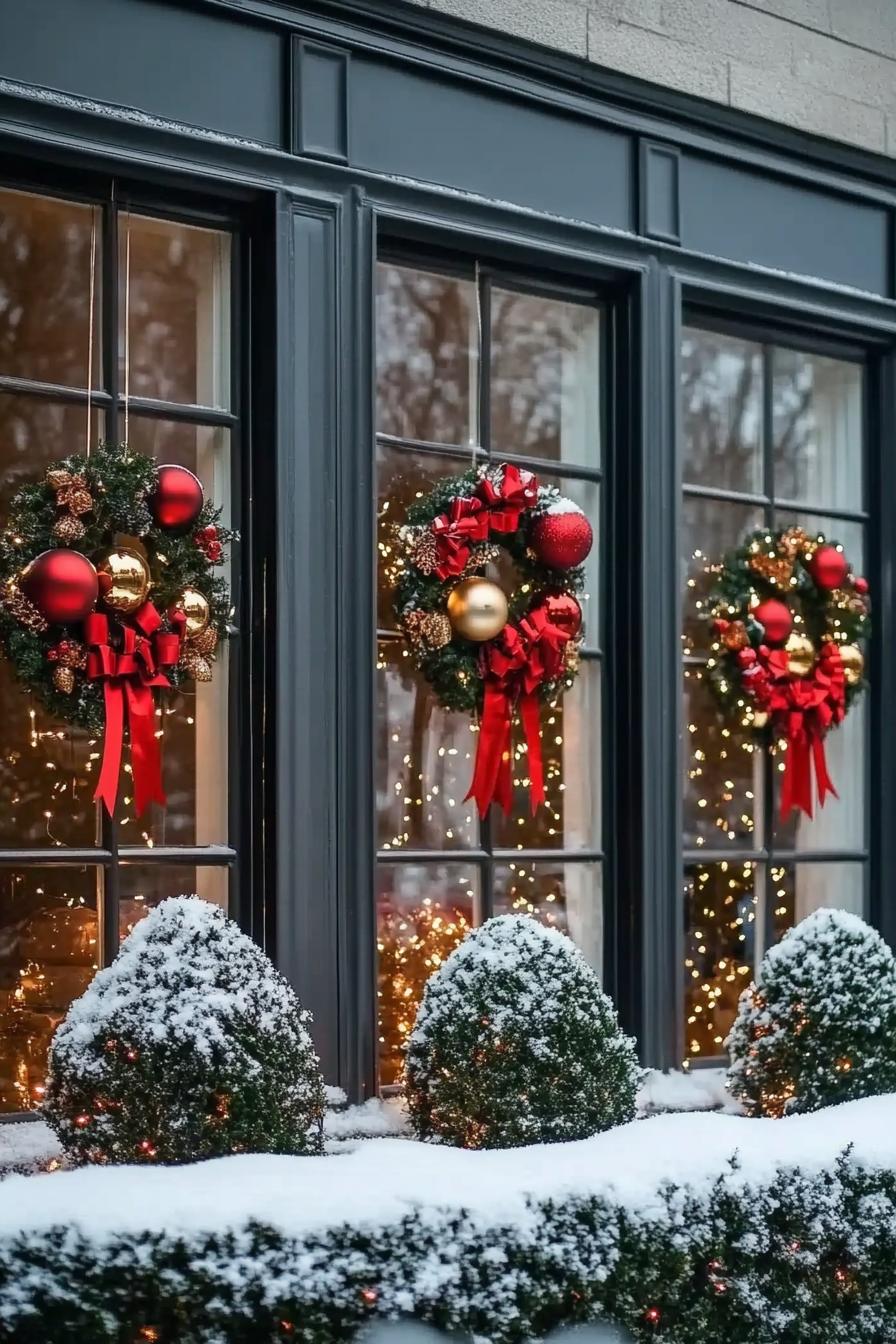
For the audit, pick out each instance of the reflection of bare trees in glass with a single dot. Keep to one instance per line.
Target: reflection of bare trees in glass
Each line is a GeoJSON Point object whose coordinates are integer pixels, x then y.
{"type": "Point", "coordinates": [425, 380]}
{"type": "Point", "coordinates": [544, 377]}
{"type": "Point", "coordinates": [45, 251]}
{"type": "Point", "coordinates": [178, 310]}
{"type": "Point", "coordinates": [721, 399]}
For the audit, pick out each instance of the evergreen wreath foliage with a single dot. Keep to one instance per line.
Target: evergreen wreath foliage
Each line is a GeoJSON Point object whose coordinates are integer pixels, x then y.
{"type": "Point", "coordinates": [516, 1043]}
{"type": "Point", "coordinates": [819, 1025]}
{"type": "Point", "coordinates": [189, 1046]}
{"type": "Point", "coordinates": [753, 571]}
{"type": "Point", "coordinates": [121, 483]}
{"type": "Point", "coordinates": [453, 671]}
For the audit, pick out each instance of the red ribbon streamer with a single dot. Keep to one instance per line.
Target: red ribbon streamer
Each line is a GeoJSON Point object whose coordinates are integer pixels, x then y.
{"type": "Point", "coordinates": [128, 676]}
{"type": "Point", "coordinates": [803, 710]}
{"type": "Point", "coordinates": [514, 665]}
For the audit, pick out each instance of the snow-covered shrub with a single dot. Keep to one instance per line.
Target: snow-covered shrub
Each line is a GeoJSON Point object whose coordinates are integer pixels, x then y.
{"type": "Point", "coordinates": [819, 1025]}
{"type": "Point", "coordinates": [515, 1043]}
{"type": "Point", "coordinates": [190, 1045]}
{"type": "Point", "coordinates": [797, 1257]}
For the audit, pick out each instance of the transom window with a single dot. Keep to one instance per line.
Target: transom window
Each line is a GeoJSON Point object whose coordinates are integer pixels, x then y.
{"type": "Point", "coordinates": [472, 367]}
{"type": "Point", "coordinates": [773, 436]}
{"type": "Point", "coordinates": [72, 882]}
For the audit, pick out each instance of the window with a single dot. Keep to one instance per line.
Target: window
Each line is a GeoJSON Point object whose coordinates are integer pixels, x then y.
{"type": "Point", "coordinates": [472, 366]}
{"type": "Point", "coordinates": [772, 436]}
{"type": "Point", "coordinates": [71, 882]}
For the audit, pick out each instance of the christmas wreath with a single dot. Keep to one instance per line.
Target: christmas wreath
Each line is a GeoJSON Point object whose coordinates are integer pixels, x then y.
{"type": "Point", "coordinates": [107, 593]}
{"type": "Point", "coordinates": [483, 652]}
{"type": "Point", "coordinates": [788, 615]}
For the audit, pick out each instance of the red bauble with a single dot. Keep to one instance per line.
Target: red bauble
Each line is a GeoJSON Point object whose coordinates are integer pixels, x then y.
{"type": "Point", "coordinates": [561, 540]}
{"type": "Point", "coordinates": [860, 585]}
{"type": "Point", "coordinates": [62, 584]}
{"type": "Point", "coordinates": [563, 611]}
{"type": "Point", "coordinates": [178, 498]}
{"type": "Point", "coordinates": [828, 567]}
{"type": "Point", "coordinates": [775, 618]}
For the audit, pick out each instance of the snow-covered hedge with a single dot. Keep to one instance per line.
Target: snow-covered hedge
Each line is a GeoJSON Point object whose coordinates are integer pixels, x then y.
{"type": "Point", "coordinates": [819, 1025]}
{"type": "Point", "coordinates": [190, 1045]}
{"type": "Point", "coordinates": [650, 1225]}
{"type": "Point", "coordinates": [515, 1042]}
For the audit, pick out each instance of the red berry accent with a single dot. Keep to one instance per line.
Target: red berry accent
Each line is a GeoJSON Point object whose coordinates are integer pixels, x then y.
{"type": "Point", "coordinates": [860, 585]}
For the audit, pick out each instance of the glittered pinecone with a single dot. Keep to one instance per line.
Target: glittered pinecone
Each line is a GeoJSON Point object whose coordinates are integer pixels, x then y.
{"type": "Point", "coordinates": [428, 629]}
{"type": "Point", "coordinates": [71, 490]}
{"type": "Point", "coordinates": [794, 542]}
{"type": "Point", "coordinates": [195, 664]}
{"type": "Point", "coordinates": [23, 611]}
{"type": "Point", "coordinates": [735, 636]}
{"type": "Point", "coordinates": [68, 528]}
{"type": "Point", "coordinates": [776, 569]}
{"type": "Point", "coordinates": [205, 642]}
{"type": "Point", "coordinates": [63, 679]}
{"type": "Point", "coordinates": [424, 552]}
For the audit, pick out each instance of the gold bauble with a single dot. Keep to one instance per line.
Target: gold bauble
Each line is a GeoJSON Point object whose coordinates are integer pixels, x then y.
{"type": "Point", "coordinates": [477, 609]}
{"type": "Point", "coordinates": [124, 579]}
{"type": "Point", "coordinates": [853, 661]}
{"type": "Point", "coordinates": [195, 607]}
{"type": "Point", "coordinates": [800, 654]}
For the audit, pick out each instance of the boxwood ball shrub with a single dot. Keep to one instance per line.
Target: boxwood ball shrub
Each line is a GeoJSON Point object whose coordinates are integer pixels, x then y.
{"type": "Point", "coordinates": [189, 1046]}
{"type": "Point", "coordinates": [819, 1025]}
{"type": "Point", "coordinates": [515, 1042]}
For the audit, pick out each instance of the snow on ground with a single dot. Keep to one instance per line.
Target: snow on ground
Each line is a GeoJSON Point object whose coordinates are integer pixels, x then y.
{"type": "Point", "coordinates": [32, 1146]}
{"type": "Point", "coordinates": [382, 1179]}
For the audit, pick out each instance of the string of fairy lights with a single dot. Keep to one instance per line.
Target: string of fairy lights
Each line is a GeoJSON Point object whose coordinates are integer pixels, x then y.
{"type": "Point", "coordinates": [55, 949]}
{"type": "Point", "coordinates": [421, 805]}
{"type": "Point", "coordinates": [731, 912]}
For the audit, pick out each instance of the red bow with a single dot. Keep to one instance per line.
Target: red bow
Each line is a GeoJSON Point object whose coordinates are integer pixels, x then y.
{"type": "Point", "coordinates": [514, 665]}
{"type": "Point", "coordinates": [128, 676]}
{"type": "Point", "coordinates": [803, 709]}
{"type": "Point", "coordinates": [507, 496]}
{"type": "Point", "coordinates": [495, 507]}
{"type": "Point", "coordinates": [455, 532]}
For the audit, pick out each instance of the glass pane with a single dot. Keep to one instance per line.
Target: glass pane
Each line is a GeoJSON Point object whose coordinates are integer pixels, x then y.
{"type": "Point", "coordinates": [47, 774]}
{"type": "Point", "coordinates": [422, 912]}
{"type": "Point", "coordinates": [571, 755]}
{"type": "Point", "coordinates": [722, 906]}
{"type": "Point", "coordinates": [711, 528]}
{"type": "Point", "coordinates": [195, 720]}
{"type": "Point", "coordinates": [145, 885]}
{"type": "Point", "coordinates": [48, 954]}
{"type": "Point", "coordinates": [403, 477]}
{"type": "Point", "coordinates": [424, 762]}
{"type": "Point", "coordinates": [818, 441]}
{"type": "Point", "coordinates": [721, 406]}
{"type": "Point", "coordinates": [427, 348]}
{"type": "Point", "coordinates": [723, 774]}
{"type": "Point", "coordinates": [545, 378]}
{"type": "Point", "coordinates": [34, 433]}
{"type": "Point", "coordinates": [798, 889]}
{"type": "Point", "coordinates": [178, 300]}
{"type": "Point", "coordinates": [45, 251]}
{"type": "Point", "coordinates": [565, 896]}
{"type": "Point", "coordinates": [841, 823]}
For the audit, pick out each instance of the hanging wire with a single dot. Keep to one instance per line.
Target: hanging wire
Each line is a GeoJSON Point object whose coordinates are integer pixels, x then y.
{"type": "Point", "coordinates": [477, 437]}
{"type": "Point", "coordinates": [127, 325]}
{"type": "Point", "coordinates": [90, 327]}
